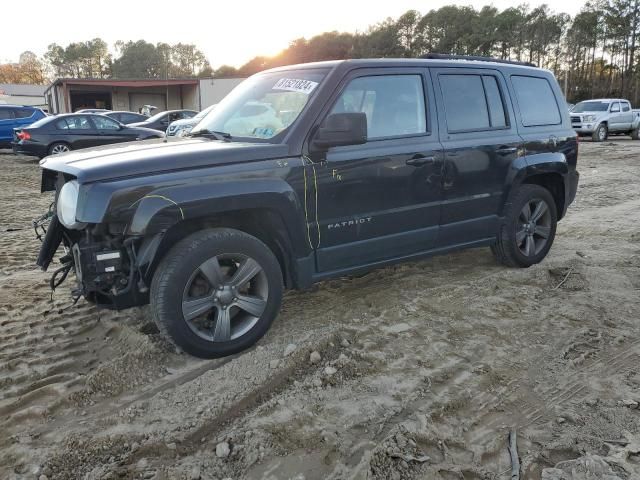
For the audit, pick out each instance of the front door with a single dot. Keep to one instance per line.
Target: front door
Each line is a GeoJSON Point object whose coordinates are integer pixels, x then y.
{"type": "Point", "coordinates": [380, 200]}
{"type": "Point", "coordinates": [615, 117]}
{"type": "Point", "coordinates": [481, 142]}
{"type": "Point", "coordinates": [109, 131]}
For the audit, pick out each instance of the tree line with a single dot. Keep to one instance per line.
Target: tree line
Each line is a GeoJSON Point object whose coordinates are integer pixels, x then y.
{"type": "Point", "coordinates": [593, 54]}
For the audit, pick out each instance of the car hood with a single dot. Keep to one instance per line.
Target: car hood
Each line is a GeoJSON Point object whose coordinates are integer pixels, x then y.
{"type": "Point", "coordinates": [140, 124]}
{"type": "Point", "coordinates": [150, 157]}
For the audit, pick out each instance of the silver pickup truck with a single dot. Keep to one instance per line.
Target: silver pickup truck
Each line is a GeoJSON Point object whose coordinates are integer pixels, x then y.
{"type": "Point", "coordinates": [601, 117]}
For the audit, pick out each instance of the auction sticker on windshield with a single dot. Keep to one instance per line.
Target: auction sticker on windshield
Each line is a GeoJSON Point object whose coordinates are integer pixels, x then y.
{"type": "Point", "coordinates": [295, 85]}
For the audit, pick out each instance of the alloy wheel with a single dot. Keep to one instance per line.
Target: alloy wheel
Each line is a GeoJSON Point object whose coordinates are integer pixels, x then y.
{"type": "Point", "coordinates": [534, 227]}
{"type": "Point", "coordinates": [602, 134]}
{"type": "Point", "coordinates": [225, 297]}
{"type": "Point", "coordinates": [60, 148]}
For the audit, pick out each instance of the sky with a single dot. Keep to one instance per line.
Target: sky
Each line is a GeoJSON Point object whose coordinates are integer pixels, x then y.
{"type": "Point", "coordinates": [229, 32]}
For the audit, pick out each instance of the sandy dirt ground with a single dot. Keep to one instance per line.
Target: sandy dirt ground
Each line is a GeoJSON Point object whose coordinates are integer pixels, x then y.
{"type": "Point", "coordinates": [421, 369]}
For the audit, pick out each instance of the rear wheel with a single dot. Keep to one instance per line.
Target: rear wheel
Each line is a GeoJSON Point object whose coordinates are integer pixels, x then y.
{"type": "Point", "coordinates": [59, 147]}
{"type": "Point", "coordinates": [529, 227]}
{"type": "Point", "coordinates": [600, 134]}
{"type": "Point", "coordinates": [216, 292]}
{"type": "Point", "coordinates": [635, 134]}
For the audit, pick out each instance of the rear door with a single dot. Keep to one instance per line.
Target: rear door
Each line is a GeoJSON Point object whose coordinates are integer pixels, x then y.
{"type": "Point", "coordinates": [25, 116]}
{"type": "Point", "coordinates": [77, 131]}
{"type": "Point", "coordinates": [380, 200]}
{"type": "Point", "coordinates": [7, 122]}
{"type": "Point", "coordinates": [627, 114]}
{"type": "Point", "coordinates": [481, 142]}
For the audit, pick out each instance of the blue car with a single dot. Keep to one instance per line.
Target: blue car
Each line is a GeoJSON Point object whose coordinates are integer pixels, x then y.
{"type": "Point", "coordinates": [16, 116]}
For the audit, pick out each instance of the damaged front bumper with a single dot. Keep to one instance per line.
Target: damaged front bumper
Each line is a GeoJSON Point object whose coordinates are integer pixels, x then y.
{"type": "Point", "coordinates": [104, 268]}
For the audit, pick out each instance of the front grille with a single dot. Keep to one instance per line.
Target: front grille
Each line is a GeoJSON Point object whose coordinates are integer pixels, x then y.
{"type": "Point", "coordinates": [575, 119]}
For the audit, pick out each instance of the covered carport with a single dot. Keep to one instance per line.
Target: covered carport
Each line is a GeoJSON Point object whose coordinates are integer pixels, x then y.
{"type": "Point", "coordinates": [67, 95]}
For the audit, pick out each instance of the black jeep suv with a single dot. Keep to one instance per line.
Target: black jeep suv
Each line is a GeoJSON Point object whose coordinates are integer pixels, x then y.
{"type": "Point", "coordinates": [310, 172]}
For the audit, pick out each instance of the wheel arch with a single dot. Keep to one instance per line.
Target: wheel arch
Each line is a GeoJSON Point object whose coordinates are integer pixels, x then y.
{"type": "Point", "coordinates": [549, 170]}
{"type": "Point", "coordinates": [265, 224]}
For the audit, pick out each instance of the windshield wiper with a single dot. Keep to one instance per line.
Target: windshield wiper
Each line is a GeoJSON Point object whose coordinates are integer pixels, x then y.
{"type": "Point", "coordinates": [224, 136]}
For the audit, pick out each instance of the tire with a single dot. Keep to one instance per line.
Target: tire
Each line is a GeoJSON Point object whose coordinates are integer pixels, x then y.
{"type": "Point", "coordinates": [635, 134]}
{"type": "Point", "coordinates": [192, 297]}
{"type": "Point", "coordinates": [600, 134]}
{"type": "Point", "coordinates": [513, 247]}
{"type": "Point", "coordinates": [58, 147]}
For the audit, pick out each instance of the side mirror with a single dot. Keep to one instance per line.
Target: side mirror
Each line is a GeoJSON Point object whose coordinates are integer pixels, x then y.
{"type": "Point", "coordinates": [340, 129]}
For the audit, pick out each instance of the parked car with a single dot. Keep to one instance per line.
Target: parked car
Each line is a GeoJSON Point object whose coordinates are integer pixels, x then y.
{"type": "Point", "coordinates": [62, 133]}
{"type": "Point", "coordinates": [601, 117]}
{"type": "Point", "coordinates": [15, 116]}
{"type": "Point", "coordinates": [160, 121]}
{"type": "Point", "coordinates": [92, 110]}
{"type": "Point", "coordinates": [127, 118]}
{"type": "Point", "coordinates": [374, 162]}
{"type": "Point", "coordinates": [184, 126]}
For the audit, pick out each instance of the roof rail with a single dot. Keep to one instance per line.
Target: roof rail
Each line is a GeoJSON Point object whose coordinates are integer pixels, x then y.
{"type": "Point", "coordinates": [446, 56]}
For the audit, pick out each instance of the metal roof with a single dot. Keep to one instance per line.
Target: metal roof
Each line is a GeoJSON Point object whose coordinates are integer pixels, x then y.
{"type": "Point", "coordinates": [22, 90]}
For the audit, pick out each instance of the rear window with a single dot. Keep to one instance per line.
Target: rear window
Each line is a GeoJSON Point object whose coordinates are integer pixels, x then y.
{"type": "Point", "coordinates": [537, 102]}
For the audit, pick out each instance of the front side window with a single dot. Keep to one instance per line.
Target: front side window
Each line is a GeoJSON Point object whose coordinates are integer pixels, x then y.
{"type": "Point", "coordinates": [394, 104]}
{"type": "Point", "coordinates": [264, 105]}
{"type": "Point", "coordinates": [537, 102]}
{"type": "Point", "coordinates": [615, 107]}
{"type": "Point", "coordinates": [472, 102]}
{"type": "Point", "coordinates": [74, 123]}
{"type": "Point", "coordinates": [105, 123]}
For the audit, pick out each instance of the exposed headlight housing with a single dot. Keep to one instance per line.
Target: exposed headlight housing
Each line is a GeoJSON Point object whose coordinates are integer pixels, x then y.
{"type": "Point", "coordinates": [68, 204]}
{"type": "Point", "coordinates": [589, 118]}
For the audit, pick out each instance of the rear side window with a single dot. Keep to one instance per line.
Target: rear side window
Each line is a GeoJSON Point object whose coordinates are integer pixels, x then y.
{"type": "Point", "coordinates": [472, 102]}
{"type": "Point", "coordinates": [24, 113]}
{"type": "Point", "coordinates": [625, 107]}
{"type": "Point", "coordinates": [536, 100]}
{"type": "Point", "coordinates": [394, 104]}
{"type": "Point", "coordinates": [6, 113]}
{"type": "Point", "coordinates": [73, 123]}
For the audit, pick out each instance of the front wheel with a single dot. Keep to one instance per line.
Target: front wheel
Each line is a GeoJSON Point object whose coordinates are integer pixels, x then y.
{"type": "Point", "coordinates": [529, 227]}
{"type": "Point", "coordinates": [600, 134]}
{"type": "Point", "coordinates": [216, 292]}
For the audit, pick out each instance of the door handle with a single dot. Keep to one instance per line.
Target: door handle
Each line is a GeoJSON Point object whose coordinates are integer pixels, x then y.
{"type": "Point", "coordinates": [420, 160]}
{"type": "Point", "coordinates": [504, 150]}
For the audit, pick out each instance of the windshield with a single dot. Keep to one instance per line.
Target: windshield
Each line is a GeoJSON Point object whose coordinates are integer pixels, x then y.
{"type": "Point", "coordinates": [157, 116]}
{"type": "Point", "coordinates": [264, 105]}
{"type": "Point", "coordinates": [591, 107]}
{"type": "Point", "coordinates": [204, 112]}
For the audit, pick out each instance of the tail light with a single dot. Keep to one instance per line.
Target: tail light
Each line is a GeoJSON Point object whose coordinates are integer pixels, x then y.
{"type": "Point", "coordinates": [24, 135]}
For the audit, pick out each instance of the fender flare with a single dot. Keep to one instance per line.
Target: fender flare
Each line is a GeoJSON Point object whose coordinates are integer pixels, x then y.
{"type": "Point", "coordinates": [159, 210]}
{"type": "Point", "coordinates": [531, 165]}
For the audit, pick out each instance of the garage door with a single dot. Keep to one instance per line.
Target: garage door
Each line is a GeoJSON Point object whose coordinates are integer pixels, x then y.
{"type": "Point", "coordinates": [138, 100]}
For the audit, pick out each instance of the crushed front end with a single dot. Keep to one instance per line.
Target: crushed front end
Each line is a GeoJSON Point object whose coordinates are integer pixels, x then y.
{"type": "Point", "coordinates": [99, 255]}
